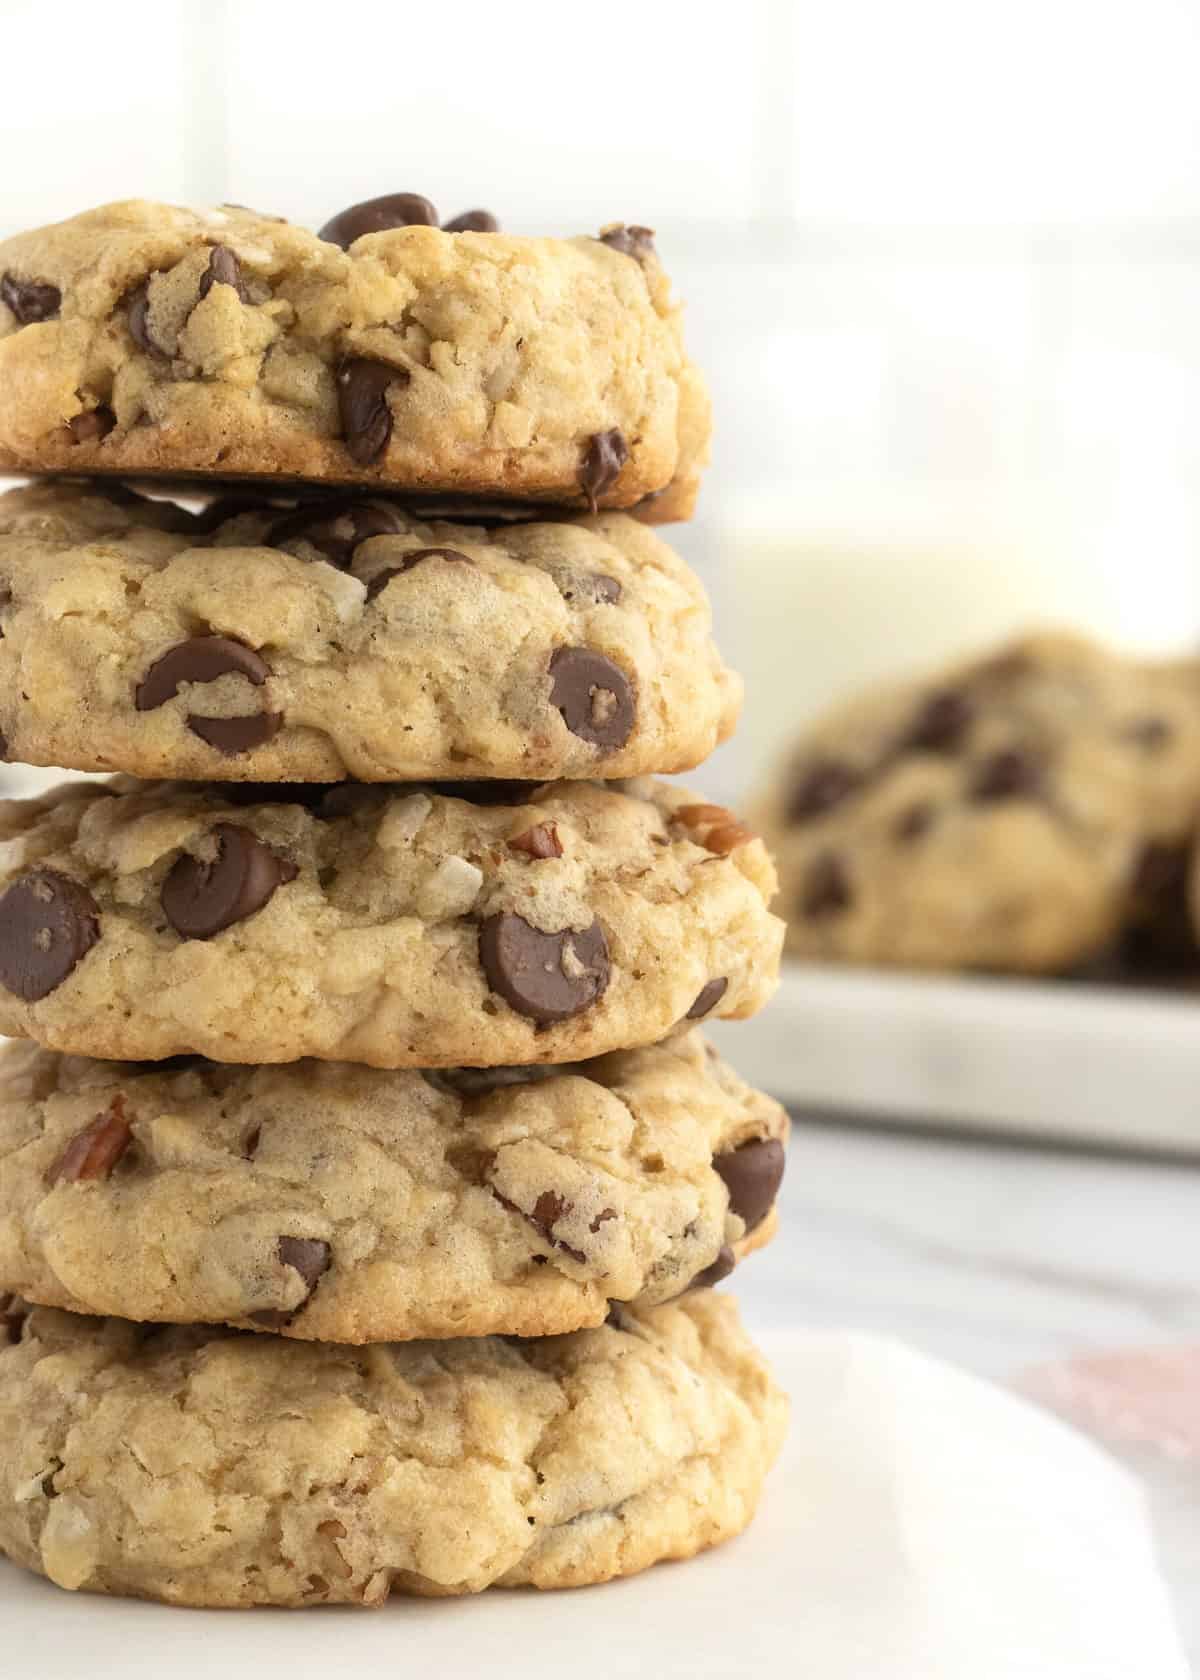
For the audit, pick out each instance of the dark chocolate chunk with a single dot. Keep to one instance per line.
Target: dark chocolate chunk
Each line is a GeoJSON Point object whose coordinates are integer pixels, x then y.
{"type": "Point", "coordinates": [752, 1175]}
{"type": "Point", "coordinates": [413, 558]}
{"type": "Point", "coordinates": [30, 300]}
{"type": "Point", "coordinates": [1006, 775]}
{"type": "Point", "coordinates": [545, 976]}
{"type": "Point", "coordinates": [362, 387]}
{"type": "Point", "coordinates": [942, 722]}
{"type": "Point", "coordinates": [633, 241]}
{"type": "Point", "coordinates": [138, 317]}
{"type": "Point", "coordinates": [48, 923]}
{"type": "Point", "coordinates": [335, 528]}
{"type": "Point", "coordinates": [200, 898]}
{"type": "Point", "coordinates": [720, 1268]}
{"type": "Point", "coordinates": [708, 998]}
{"type": "Point", "coordinates": [594, 696]}
{"type": "Point", "coordinates": [234, 735]}
{"type": "Point", "coordinates": [826, 888]}
{"type": "Point", "coordinates": [376, 215]}
{"type": "Point", "coordinates": [604, 456]}
{"type": "Point", "coordinates": [824, 785]}
{"type": "Point", "coordinates": [472, 221]}
{"type": "Point", "coordinates": [223, 270]}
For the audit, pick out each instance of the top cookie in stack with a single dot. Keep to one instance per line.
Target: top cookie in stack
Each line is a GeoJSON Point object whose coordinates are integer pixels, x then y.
{"type": "Point", "coordinates": [383, 352]}
{"type": "Point", "coordinates": [395, 707]}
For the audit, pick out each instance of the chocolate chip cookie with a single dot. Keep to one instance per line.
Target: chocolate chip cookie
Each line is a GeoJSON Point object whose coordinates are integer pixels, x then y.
{"type": "Point", "coordinates": [481, 924]}
{"type": "Point", "coordinates": [1010, 813]}
{"type": "Point", "coordinates": [346, 637]}
{"type": "Point", "coordinates": [383, 351]}
{"type": "Point", "coordinates": [216, 1468]}
{"type": "Point", "coordinates": [345, 1204]}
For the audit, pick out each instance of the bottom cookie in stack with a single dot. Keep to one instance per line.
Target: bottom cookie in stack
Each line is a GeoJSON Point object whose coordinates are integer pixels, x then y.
{"type": "Point", "coordinates": [224, 1468]}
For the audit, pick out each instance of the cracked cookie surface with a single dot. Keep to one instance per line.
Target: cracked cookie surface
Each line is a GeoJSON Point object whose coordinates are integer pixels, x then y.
{"type": "Point", "coordinates": [1015, 812]}
{"type": "Point", "coordinates": [145, 338]}
{"type": "Point", "coordinates": [396, 926]}
{"type": "Point", "coordinates": [367, 643]}
{"type": "Point", "coordinates": [347, 1204]}
{"type": "Point", "coordinates": [222, 1469]}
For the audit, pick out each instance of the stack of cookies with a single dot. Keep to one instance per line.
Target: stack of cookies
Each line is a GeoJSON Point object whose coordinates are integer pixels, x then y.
{"type": "Point", "coordinates": [363, 1185]}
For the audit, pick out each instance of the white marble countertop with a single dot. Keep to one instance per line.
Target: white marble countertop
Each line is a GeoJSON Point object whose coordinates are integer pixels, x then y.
{"type": "Point", "coordinates": [999, 1257]}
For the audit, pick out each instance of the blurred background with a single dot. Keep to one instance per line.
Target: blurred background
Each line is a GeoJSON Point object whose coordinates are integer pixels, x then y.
{"type": "Point", "coordinates": [941, 263]}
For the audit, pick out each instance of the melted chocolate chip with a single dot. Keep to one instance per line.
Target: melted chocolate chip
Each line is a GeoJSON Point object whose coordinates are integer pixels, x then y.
{"type": "Point", "coordinates": [92, 425]}
{"type": "Point", "coordinates": [594, 696]}
{"type": "Point", "coordinates": [1006, 775]}
{"type": "Point", "coordinates": [708, 998]}
{"type": "Point", "coordinates": [223, 270]}
{"type": "Point", "coordinates": [480, 1082]}
{"type": "Point", "coordinates": [376, 215]}
{"type": "Point", "coordinates": [823, 786]}
{"type": "Point", "coordinates": [472, 221]}
{"type": "Point", "coordinates": [606, 453]}
{"type": "Point", "coordinates": [1160, 872]}
{"type": "Point", "coordinates": [30, 300]}
{"type": "Point", "coordinates": [545, 976]}
{"type": "Point", "coordinates": [362, 387]}
{"type": "Point", "coordinates": [942, 722]}
{"type": "Point", "coordinates": [633, 241]}
{"type": "Point", "coordinates": [48, 923]}
{"type": "Point", "coordinates": [200, 898]}
{"type": "Point", "coordinates": [203, 659]}
{"type": "Point", "coordinates": [94, 1152]}
{"type": "Point", "coordinates": [234, 735]}
{"type": "Point", "coordinates": [826, 888]}
{"type": "Point", "coordinates": [336, 528]}
{"type": "Point", "coordinates": [752, 1175]}
{"type": "Point", "coordinates": [138, 317]}
{"type": "Point", "coordinates": [720, 1268]}
{"type": "Point", "coordinates": [413, 558]}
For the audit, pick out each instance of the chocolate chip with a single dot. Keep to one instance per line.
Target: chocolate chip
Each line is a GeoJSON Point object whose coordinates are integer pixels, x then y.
{"type": "Point", "coordinates": [413, 558]}
{"type": "Point", "coordinates": [336, 528]}
{"type": "Point", "coordinates": [200, 898]}
{"type": "Point", "coordinates": [632, 241]}
{"type": "Point", "coordinates": [720, 1268]}
{"type": "Point", "coordinates": [540, 841]}
{"type": "Point", "coordinates": [92, 425]}
{"type": "Point", "coordinates": [752, 1175]}
{"type": "Point", "coordinates": [1006, 775]}
{"type": "Point", "coordinates": [94, 1152]}
{"type": "Point", "coordinates": [708, 998]}
{"type": "Point", "coordinates": [546, 976]}
{"type": "Point", "coordinates": [480, 1082]}
{"type": "Point", "coordinates": [138, 317]}
{"type": "Point", "coordinates": [306, 1255]}
{"type": "Point", "coordinates": [376, 215]}
{"type": "Point", "coordinates": [911, 824]}
{"type": "Point", "coordinates": [824, 785]}
{"type": "Point", "coordinates": [941, 723]}
{"type": "Point", "coordinates": [472, 221]}
{"type": "Point", "coordinates": [48, 923]}
{"type": "Point", "coordinates": [223, 270]}
{"type": "Point", "coordinates": [604, 456]}
{"type": "Point", "coordinates": [826, 888]}
{"type": "Point", "coordinates": [594, 696]}
{"type": "Point", "coordinates": [30, 300]}
{"type": "Point", "coordinates": [362, 402]}
{"type": "Point", "coordinates": [547, 1211]}
{"type": "Point", "coordinates": [234, 735]}
{"type": "Point", "coordinates": [203, 659]}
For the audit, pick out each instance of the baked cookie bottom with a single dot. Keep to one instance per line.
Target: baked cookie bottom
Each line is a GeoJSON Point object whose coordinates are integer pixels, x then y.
{"type": "Point", "coordinates": [231, 1470]}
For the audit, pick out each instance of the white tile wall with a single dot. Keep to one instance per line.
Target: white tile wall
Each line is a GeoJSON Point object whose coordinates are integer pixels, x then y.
{"type": "Point", "coordinates": [950, 247]}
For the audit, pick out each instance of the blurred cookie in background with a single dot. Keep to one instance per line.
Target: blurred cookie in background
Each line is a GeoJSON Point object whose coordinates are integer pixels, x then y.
{"type": "Point", "coordinates": [1021, 811]}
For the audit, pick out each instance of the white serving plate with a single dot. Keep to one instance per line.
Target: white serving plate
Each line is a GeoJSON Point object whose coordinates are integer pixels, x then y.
{"type": "Point", "coordinates": [1053, 1059]}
